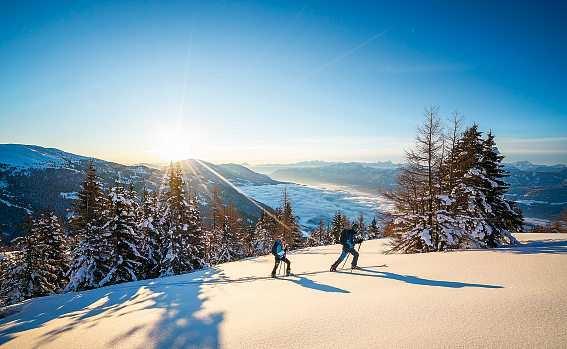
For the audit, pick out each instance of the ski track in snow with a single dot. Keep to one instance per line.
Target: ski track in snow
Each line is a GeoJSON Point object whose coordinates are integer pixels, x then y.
{"type": "Point", "coordinates": [505, 298]}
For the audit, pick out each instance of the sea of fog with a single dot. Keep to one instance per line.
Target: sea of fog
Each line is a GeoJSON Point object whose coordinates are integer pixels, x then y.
{"type": "Point", "coordinates": [311, 204]}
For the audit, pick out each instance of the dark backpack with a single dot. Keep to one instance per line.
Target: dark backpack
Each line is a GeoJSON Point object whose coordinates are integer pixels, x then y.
{"type": "Point", "coordinates": [346, 236]}
{"type": "Point", "coordinates": [275, 247]}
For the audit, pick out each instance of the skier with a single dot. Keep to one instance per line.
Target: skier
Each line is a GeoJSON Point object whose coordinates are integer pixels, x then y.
{"type": "Point", "coordinates": [279, 250]}
{"type": "Point", "coordinates": [348, 242]}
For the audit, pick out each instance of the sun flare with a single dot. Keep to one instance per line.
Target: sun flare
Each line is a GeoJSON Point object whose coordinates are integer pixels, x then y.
{"type": "Point", "coordinates": [173, 144]}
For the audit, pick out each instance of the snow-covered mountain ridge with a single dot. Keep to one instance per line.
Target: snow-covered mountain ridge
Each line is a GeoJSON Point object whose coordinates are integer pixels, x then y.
{"type": "Point", "coordinates": [33, 179]}
{"type": "Point", "coordinates": [22, 157]}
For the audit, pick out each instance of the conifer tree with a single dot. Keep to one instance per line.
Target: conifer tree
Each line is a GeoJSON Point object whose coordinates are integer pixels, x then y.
{"type": "Point", "coordinates": [288, 223]}
{"type": "Point", "coordinates": [264, 234]}
{"type": "Point", "coordinates": [38, 267]}
{"type": "Point", "coordinates": [213, 233]}
{"type": "Point", "coordinates": [338, 223]}
{"type": "Point", "coordinates": [13, 282]}
{"type": "Point", "coordinates": [87, 206]}
{"type": "Point", "coordinates": [197, 236]}
{"type": "Point", "coordinates": [246, 240]}
{"type": "Point", "coordinates": [229, 248]}
{"type": "Point", "coordinates": [373, 230]}
{"type": "Point", "coordinates": [18, 278]}
{"type": "Point", "coordinates": [123, 238]}
{"type": "Point", "coordinates": [465, 206]}
{"type": "Point", "coordinates": [89, 263]}
{"type": "Point", "coordinates": [151, 234]}
{"type": "Point", "coordinates": [468, 198]}
{"type": "Point", "coordinates": [505, 217]}
{"type": "Point", "coordinates": [362, 230]}
{"type": "Point", "coordinates": [320, 236]}
{"type": "Point", "coordinates": [422, 223]}
{"type": "Point", "coordinates": [176, 221]}
{"type": "Point", "coordinates": [52, 257]}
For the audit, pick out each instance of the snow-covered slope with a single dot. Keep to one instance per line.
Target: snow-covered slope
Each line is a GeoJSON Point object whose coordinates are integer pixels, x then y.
{"type": "Point", "coordinates": [24, 157]}
{"type": "Point", "coordinates": [33, 179]}
{"type": "Point", "coordinates": [509, 298]}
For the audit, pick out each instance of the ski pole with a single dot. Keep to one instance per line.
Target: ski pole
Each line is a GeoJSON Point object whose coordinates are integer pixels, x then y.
{"type": "Point", "coordinates": [346, 259]}
{"type": "Point", "coordinates": [280, 268]}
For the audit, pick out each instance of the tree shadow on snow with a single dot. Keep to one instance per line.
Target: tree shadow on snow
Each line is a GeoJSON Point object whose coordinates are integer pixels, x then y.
{"type": "Point", "coordinates": [410, 279]}
{"type": "Point", "coordinates": [537, 247]}
{"type": "Point", "coordinates": [179, 326]}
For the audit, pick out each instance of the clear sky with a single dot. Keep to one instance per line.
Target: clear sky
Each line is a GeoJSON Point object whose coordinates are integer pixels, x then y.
{"type": "Point", "coordinates": [279, 81]}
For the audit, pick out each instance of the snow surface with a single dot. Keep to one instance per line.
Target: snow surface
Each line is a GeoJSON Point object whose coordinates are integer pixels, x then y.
{"type": "Point", "coordinates": [311, 203]}
{"type": "Point", "coordinates": [23, 157]}
{"type": "Point", "coordinates": [508, 298]}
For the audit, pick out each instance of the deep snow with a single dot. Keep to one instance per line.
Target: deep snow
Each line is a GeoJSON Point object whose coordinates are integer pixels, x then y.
{"type": "Point", "coordinates": [512, 297]}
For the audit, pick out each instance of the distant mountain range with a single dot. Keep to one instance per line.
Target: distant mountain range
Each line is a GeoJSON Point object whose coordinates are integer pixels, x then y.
{"type": "Point", "coordinates": [540, 190]}
{"type": "Point", "coordinates": [34, 179]}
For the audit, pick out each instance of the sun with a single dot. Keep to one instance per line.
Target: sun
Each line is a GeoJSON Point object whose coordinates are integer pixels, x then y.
{"type": "Point", "coordinates": [172, 144]}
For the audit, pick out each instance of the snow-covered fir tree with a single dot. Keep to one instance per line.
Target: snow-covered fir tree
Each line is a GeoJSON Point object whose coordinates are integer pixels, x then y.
{"type": "Point", "coordinates": [289, 228]}
{"type": "Point", "coordinates": [320, 236]}
{"type": "Point", "coordinates": [229, 247]}
{"type": "Point", "coordinates": [89, 263]}
{"type": "Point", "coordinates": [13, 283]}
{"type": "Point", "coordinates": [151, 234]}
{"type": "Point", "coordinates": [212, 235]}
{"type": "Point", "coordinates": [362, 229]}
{"type": "Point", "coordinates": [52, 262]}
{"type": "Point", "coordinates": [451, 192]}
{"type": "Point", "coordinates": [373, 231]}
{"type": "Point", "coordinates": [507, 217]}
{"type": "Point", "coordinates": [247, 240]}
{"type": "Point", "coordinates": [39, 265]}
{"type": "Point", "coordinates": [123, 238]}
{"type": "Point", "coordinates": [264, 234]}
{"type": "Point", "coordinates": [478, 196]}
{"type": "Point", "coordinates": [179, 227]}
{"type": "Point", "coordinates": [338, 223]}
{"type": "Point", "coordinates": [197, 239]}
{"type": "Point", "coordinates": [86, 208]}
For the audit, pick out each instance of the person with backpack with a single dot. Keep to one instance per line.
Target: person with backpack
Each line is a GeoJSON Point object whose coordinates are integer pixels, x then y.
{"type": "Point", "coordinates": [348, 241]}
{"type": "Point", "coordinates": [279, 250]}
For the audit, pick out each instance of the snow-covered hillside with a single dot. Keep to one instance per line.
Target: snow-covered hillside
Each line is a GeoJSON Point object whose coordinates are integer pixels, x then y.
{"type": "Point", "coordinates": [508, 298]}
{"type": "Point", "coordinates": [24, 157]}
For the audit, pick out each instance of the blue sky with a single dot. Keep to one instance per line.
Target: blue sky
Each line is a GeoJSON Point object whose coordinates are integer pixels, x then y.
{"type": "Point", "coordinates": [279, 81]}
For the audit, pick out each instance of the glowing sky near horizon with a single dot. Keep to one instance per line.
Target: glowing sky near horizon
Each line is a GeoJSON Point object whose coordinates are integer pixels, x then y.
{"type": "Point", "coordinates": [279, 81]}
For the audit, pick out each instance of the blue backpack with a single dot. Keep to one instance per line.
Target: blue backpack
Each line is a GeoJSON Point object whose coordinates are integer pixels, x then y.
{"type": "Point", "coordinates": [277, 248]}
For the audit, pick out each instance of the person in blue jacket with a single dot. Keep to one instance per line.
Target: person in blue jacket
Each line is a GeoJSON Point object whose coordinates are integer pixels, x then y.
{"type": "Point", "coordinates": [279, 250]}
{"type": "Point", "coordinates": [348, 241]}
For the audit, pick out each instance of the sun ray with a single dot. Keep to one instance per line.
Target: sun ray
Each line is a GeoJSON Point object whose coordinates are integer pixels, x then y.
{"type": "Point", "coordinates": [254, 202]}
